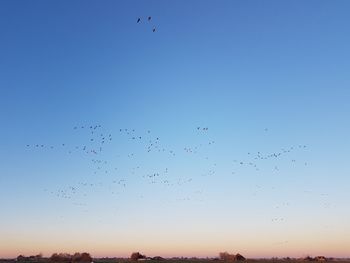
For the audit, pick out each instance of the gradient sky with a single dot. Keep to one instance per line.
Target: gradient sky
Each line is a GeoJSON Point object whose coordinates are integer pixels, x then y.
{"type": "Point", "coordinates": [261, 75]}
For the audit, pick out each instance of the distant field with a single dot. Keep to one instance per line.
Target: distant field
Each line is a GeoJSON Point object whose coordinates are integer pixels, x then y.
{"type": "Point", "coordinates": [183, 261]}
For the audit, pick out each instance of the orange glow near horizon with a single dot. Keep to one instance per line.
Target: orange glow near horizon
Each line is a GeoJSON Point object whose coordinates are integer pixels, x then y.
{"type": "Point", "coordinates": [297, 249]}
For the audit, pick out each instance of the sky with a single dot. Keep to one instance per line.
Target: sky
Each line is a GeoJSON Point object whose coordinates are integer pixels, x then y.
{"type": "Point", "coordinates": [226, 129]}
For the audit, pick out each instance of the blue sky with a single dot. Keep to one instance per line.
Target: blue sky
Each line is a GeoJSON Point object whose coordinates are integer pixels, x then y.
{"type": "Point", "coordinates": [262, 76]}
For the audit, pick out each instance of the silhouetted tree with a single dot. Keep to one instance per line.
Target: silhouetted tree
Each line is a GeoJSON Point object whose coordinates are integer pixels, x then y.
{"type": "Point", "coordinates": [231, 257]}
{"type": "Point", "coordinates": [226, 256]}
{"type": "Point", "coordinates": [61, 257]}
{"type": "Point", "coordinates": [157, 258]}
{"type": "Point", "coordinates": [21, 258]}
{"type": "Point", "coordinates": [136, 256]}
{"type": "Point", "coordinates": [239, 257]}
{"type": "Point", "coordinates": [81, 257]}
{"type": "Point", "coordinates": [36, 258]}
{"type": "Point", "coordinates": [320, 258]}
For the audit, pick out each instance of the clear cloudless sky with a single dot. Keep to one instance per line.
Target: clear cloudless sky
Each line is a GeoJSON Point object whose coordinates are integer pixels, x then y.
{"type": "Point", "coordinates": [265, 78]}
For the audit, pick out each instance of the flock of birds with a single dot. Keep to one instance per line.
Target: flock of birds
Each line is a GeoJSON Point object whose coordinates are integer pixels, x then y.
{"type": "Point", "coordinates": [148, 20]}
{"type": "Point", "coordinates": [115, 161]}
{"type": "Point", "coordinates": [260, 156]}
